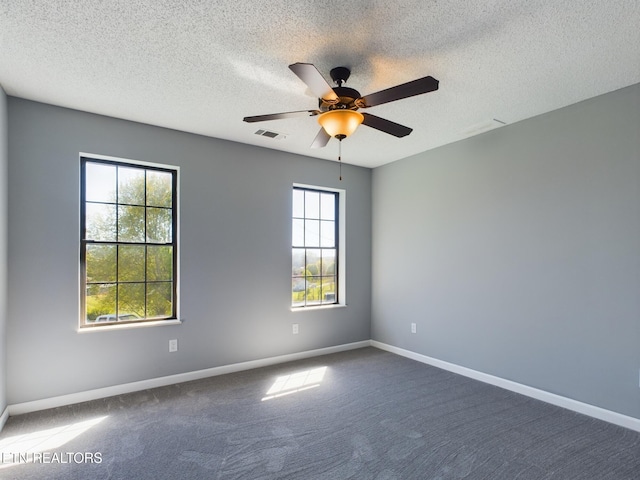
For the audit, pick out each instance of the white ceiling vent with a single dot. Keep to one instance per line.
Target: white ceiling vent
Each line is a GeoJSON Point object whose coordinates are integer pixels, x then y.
{"type": "Point", "coordinates": [270, 134]}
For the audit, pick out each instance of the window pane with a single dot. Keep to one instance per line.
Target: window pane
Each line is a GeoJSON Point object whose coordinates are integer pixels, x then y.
{"type": "Point", "coordinates": [131, 263]}
{"type": "Point", "coordinates": [298, 265]}
{"type": "Point", "coordinates": [298, 292]}
{"type": "Point", "coordinates": [100, 183]}
{"type": "Point", "coordinates": [298, 203]}
{"type": "Point", "coordinates": [327, 234]}
{"type": "Point", "coordinates": [159, 263]}
{"type": "Point", "coordinates": [314, 252]}
{"type": "Point", "coordinates": [297, 231]}
{"type": "Point", "coordinates": [159, 188]}
{"type": "Point", "coordinates": [101, 263]}
{"type": "Point", "coordinates": [312, 205]}
{"type": "Point", "coordinates": [312, 233]}
{"type": "Point", "coordinates": [129, 246]}
{"type": "Point", "coordinates": [159, 299]}
{"type": "Point", "coordinates": [328, 262]}
{"type": "Point", "coordinates": [131, 297]}
{"type": "Point", "coordinates": [131, 185]}
{"type": "Point", "coordinates": [314, 290]}
{"type": "Point", "coordinates": [158, 225]}
{"type": "Point", "coordinates": [100, 300]}
{"type": "Point", "coordinates": [131, 224]}
{"type": "Point", "coordinates": [327, 206]}
{"type": "Point", "coordinates": [313, 263]}
{"type": "Point", "coordinates": [328, 289]}
{"type": "Point", "coordinates": [100, 222]}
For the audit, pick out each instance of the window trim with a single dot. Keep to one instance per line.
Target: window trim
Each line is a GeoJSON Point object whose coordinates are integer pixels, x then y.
{"type": "Point", "coordinates": [341, 245]}
{"type": "Point", "coordinates": [83, 326]}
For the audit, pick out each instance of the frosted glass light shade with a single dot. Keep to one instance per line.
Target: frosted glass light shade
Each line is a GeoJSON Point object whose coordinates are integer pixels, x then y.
{"type": "Point", "coordinates": [340, 123]}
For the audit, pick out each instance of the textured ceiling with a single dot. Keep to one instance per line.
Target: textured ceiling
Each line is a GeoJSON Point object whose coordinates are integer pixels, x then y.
{"type": "Point", "coordinates": [201, 66]}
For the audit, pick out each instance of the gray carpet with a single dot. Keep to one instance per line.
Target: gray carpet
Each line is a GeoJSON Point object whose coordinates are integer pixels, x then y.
{"type": "Point", "coordinates": [373, 415]}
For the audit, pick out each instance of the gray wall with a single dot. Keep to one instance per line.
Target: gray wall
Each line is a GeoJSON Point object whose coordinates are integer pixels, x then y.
{"type": "Point", "coordinates": [517, 252]}
{"type": "Point", "coordinates": [3, 247]}
{"type": "Point", "coordinates": [235, 234]}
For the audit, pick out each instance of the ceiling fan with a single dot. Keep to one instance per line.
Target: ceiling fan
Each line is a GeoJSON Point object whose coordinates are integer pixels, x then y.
{"type": "Point", "coordinates": [338, 106]}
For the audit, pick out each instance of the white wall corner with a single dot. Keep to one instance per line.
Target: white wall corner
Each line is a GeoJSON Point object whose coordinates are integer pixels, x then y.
{"type": "Point", "coordinates": [4, 417]}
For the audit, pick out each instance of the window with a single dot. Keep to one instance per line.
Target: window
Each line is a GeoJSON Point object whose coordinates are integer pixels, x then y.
{"type": "Point", "coordinates": [315, 241]}
{"type": "Point", "coordinates": [128, 254]}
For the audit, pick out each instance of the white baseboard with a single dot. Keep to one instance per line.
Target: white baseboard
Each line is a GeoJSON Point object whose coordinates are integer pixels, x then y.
{"type": "Point", "coordinates": [568, 403]}
{"type": "Point", "coordinates": [70, 399]}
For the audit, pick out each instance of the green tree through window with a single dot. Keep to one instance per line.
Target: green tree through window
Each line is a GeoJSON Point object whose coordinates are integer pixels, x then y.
{"type": "Point", "coordinates": [129, 248]}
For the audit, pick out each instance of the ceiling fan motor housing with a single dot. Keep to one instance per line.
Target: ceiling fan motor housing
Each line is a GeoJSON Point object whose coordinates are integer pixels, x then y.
{"type": "Point", "coordinates": [346, 95]}
{"type": "Point", "coordinates": [347, 98]}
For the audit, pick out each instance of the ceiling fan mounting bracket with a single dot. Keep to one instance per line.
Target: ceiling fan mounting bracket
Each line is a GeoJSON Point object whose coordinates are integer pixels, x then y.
{"type": "Point", "coordinates": [340, 75]}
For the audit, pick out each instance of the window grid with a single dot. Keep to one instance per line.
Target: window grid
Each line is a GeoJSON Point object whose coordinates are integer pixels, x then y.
{"type": "Point", "coordinates": [314, 247]}
{"type": "Point", "coordinates": [116, 281]}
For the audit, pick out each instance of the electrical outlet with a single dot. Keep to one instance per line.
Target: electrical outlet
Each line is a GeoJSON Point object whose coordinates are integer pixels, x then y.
{"type": "Point", "coordinates": [413, 328]}
{"type": "Point", "coordinates": [173, 345]}
{"type": "Point", "coordinates": [295, 329]}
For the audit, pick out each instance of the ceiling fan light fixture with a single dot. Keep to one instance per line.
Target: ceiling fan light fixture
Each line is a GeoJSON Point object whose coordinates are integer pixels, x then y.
{"type": "Point", "coordinates": [340, 123]}
{"type": "Point", "coordinates": [337, 106]}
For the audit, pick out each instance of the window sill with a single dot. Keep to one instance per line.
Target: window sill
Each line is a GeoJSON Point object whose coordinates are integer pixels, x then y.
{"type": "Point", "coordinates": [126, 326]}
{"type": "Point", "coordinates": [318, 307]}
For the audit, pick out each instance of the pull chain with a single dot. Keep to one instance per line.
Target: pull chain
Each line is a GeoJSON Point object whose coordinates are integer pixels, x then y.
{"type": "Point", "coordinates": [340, 157]}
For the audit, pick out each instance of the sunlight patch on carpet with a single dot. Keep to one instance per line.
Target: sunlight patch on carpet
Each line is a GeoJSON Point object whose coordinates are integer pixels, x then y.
{"type": "Point", "coordinates": [296, 382]}
{"type": "Point", "coordinates": [21, 448]}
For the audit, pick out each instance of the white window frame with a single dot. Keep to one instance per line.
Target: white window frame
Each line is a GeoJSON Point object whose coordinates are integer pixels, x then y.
{"type": "Point", "coordinates": [342, 246]}
{"type": "Point", "coordinates": [82, 326]}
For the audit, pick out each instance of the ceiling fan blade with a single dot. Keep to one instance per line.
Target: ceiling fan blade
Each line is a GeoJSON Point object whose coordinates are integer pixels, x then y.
{"type": "Point", "coordinates": [386, 126]}
{"type": "Point", "coordinates": [309, 74]}
{"type": "Point", "coordinates": [321, 139]}
{"type": "Point", "coordinates": [279, 116]}
{"type": "Point", "coordinates": [405, 90]}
